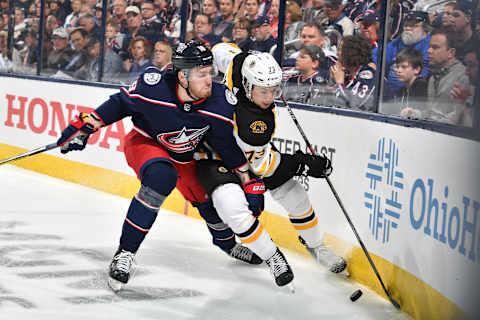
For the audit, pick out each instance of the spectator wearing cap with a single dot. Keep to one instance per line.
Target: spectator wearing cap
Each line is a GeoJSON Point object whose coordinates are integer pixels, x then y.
{"type": "Point", "coordinates": [134, 24]}
{"type": "Point", "coordinates": [306, 84]}
{"type": "Point", "coordinates": [369, 26]}
{"type": "Point", "coordinates": [461, 26]}
{"type": "Point", "coordinates": [415, 35]}
{"type": "Point", "coordinates": [203, 30]}
{"type": "Point", "coordinates": [62, 53]}
{"type": "Point", "coordinates": [241, 33]}
{"type": "Point", "coordinates": [336, 17]}
{"type": "Point", "coordinates": [223, 27]}
{"type": "Point", "coordinates": [71, 21]}
{"type": "Point", "coordinates": [262, 35]}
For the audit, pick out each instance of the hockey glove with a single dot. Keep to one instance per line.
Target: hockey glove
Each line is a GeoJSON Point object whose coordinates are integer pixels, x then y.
{"type": "Point", "coordinates": [254, 190]}
{"type": "Point", "coordinates": [76, 134]}
{"type": "Point", "coordinates": [319, 166]}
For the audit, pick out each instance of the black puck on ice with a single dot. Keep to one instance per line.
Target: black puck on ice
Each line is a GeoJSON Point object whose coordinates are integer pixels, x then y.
{"type": "Point", "coordinates": [357, 294]}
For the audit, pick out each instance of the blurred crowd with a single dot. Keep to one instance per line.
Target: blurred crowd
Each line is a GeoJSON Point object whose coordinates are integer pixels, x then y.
{"type": "Point", "coordinates": [330, 54]}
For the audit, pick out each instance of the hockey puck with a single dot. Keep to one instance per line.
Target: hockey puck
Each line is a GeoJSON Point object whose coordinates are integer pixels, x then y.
{"type": "Point", "coordinates": [357, 294]}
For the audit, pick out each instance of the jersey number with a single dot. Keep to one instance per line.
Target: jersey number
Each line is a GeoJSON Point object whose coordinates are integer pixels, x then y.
{"type": "Point", "coordinates": [254, 155]}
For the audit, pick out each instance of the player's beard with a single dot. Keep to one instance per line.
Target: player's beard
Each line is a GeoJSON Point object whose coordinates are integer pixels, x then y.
{"type": "Point", "coordinates": [202, 92]}
{"type": "Point", "coordinates": [409, 37]}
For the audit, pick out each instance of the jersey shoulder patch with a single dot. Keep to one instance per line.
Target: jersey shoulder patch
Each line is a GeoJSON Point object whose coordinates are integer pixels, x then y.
{"type": "Point", "coordinates": [230, 96]}
{"type": "Point", "coordinates": [366, 74]}
{"type": "Point", "coordinates": [152, 78]}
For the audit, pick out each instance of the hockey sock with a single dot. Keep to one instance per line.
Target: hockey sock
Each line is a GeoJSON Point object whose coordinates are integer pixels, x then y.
{"type": "Point", "coordinates": [307, 227]}
{"type": "Point", "coordinates": [258, 240]}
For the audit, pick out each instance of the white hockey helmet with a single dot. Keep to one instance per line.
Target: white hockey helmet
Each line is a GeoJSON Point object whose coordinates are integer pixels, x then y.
{"type": "Point", "coordinates": [260, 69]}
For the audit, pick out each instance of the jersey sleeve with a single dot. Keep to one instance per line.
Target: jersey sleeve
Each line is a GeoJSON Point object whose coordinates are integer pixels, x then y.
{"type": "Point", "coordinates": [263, 160]}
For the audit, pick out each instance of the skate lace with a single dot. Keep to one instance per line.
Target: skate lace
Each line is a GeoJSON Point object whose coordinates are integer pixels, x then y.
{"type": "Point", "coordinates": [241, 252]}
{"type": "Point", "coordinates": [277, 264]}
{"type": "Point", "coordinates": [124, 261]}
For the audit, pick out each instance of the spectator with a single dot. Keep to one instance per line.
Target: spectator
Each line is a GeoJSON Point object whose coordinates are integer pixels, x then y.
{"type": "Point", "coordinates": [262, 35]}
{"type": "Point", "coordinates": [151, 28]}
{"type": "Point", "coordinates": [51, 24]}
{"type": "Point", "coordinates": [336, 17]}
{"type": "Point", "coordinates": [162, 55]}
{"type": "Point", "coordinates": [62, 53]}
{"type": "Point", "coordinates": [79, 38]}
{"type": "Point", "coordinates": [203, 30]}
{"type": "Point", "coordinates": [446, 16]}
{"type": "Point", "coordinates": [3, 25]}
{"type": "Point", "coordinates": [354, 75]}
{"type": "Point", "coordinates": [414, 35]}
{"type": "Point", "coordinates": [461, 26]}
{"type": "Point", "coordinates": [210, 9]}
{"type": "Point", "coordinates": [241, 33]}
{"type": "Point", "coordinates": [369, 26]}
{"type": "Point", "coordinates": [113, 38]}
{"type": "Point", "coordinates": [313, 12]}
{"type": "Point", "coordinates": [140, 51]}
{"type": "Point", "coordinates": [5, 64]}
{"type": "Point", "coordinates": [87, 22]}
{"type": "Point", "coordinates": [447, 72]}
{"type": "Point", "coordinates": [224, 26]}
{"type": "Point", "coordinates": [30, 56]}
{"type": "Point", "coordinates": [464, 95]}
{"type": "Point", "coordinates": [71, 21]}
{"type": "Point", "coordinates": [273, 15]}
{"type": "Point", "coordinates": [119, 8]}
{"type": "Point", "coordinates": [20, 25]}
{"type": "Point", "coordinates": [293, 21]}
{"type": "Point", "coordinates": [252, 8]}
{"type": "Point", "coordinates": [413, 94]}
{"type": "Point", "coordinates": [61, 9]}
{"type": "Point", "coordinates": [306, 85]}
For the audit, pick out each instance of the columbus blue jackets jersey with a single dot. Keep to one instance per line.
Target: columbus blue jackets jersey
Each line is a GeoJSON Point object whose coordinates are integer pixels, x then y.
{"type": "Point", "coordinates": [179, 127]}
{"type": "Point", "coordinates": [358, 91]}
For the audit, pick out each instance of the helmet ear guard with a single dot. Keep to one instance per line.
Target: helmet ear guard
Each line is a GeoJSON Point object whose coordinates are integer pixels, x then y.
{"type": "Point", "coordinates": [260, 69]}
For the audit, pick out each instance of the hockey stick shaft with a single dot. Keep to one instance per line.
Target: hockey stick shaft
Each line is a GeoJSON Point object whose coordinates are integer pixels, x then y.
{"type": "Point", "coordinates": [30, 153]}
{"type": "Point", "coordinates": [340, 203]}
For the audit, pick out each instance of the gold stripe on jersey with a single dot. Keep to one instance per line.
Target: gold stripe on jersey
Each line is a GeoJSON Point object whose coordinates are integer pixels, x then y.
{"type": "Point", "coordinates": [228, 76]}
{"type": "Point", "coordinates": [305, 221]}
{"type": "Point", "coordinates": [252, 234]}
{"type": "Point", "coordinates": [273, 164]}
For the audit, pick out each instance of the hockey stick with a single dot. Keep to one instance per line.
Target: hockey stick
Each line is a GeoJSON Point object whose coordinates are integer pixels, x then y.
{"type": "Point", "coordinates": [30, 153]}
{"type": "Point", "coordinates": [340, 203]}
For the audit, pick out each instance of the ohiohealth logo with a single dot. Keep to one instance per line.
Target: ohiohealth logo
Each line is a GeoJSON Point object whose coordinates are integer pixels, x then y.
{"type": "Point", "coordinates": [385, 183]}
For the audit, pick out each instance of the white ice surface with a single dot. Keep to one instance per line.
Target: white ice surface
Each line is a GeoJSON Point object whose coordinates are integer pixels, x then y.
{"type": "Point", "coordinates": [57, 239]}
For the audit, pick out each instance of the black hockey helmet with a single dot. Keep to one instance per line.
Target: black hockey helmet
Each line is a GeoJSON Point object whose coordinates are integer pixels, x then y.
{"type": "Point", "coordinates": [191, 55]}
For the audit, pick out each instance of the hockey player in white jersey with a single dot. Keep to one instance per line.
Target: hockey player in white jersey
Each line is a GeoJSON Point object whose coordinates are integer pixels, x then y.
{"type": "Point", "coordinates": [255, 79]}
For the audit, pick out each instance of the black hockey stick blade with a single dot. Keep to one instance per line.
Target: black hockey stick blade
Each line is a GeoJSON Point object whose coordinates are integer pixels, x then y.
{"type": "Point", "coordinates": [30, 153]}
{"type": "Point", "coordinates": [342, 207]}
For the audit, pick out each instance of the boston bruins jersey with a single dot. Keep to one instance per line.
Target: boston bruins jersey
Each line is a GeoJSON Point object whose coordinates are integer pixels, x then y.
{"type": "Point", "coordinates": [254, 127]}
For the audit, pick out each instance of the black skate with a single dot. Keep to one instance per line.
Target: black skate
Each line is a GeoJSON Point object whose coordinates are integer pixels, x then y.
{"type": "Point", "coordinates": [280, 269]}
{"type": "Point", "coordinates": [326, 257]}
{"type": "Point", "coordinates": [244, 254]}
{"type": "Point", "coordinates": [121, 268]}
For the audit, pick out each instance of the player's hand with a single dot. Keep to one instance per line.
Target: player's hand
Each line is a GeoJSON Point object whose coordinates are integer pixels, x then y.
{"type": "Point", "coordinates": [319, 166]}
{"type": "Point", "coordinates": [254, 190]}
{"type": "Point", "coordinates": [76, 134]}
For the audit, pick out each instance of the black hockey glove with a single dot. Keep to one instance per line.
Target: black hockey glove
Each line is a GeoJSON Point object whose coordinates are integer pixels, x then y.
{"type": "Point", "coordinates": [254, 190]}
{"type": "Point", "coordinates": [319, 166]}
{"type": "Point", "coordinates": [76, 134]}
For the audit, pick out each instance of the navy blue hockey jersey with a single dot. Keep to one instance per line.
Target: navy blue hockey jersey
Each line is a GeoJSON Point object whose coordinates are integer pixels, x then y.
{"type": "Point", "coordinates": [178, 126]}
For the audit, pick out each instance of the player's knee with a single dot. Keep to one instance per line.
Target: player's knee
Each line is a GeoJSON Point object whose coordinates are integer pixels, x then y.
{"type": "Point", "coordinates": [232, 207]}
{"type": "Point", "coordinates": [161, 177]}
{"type": "Point", "coordinates": [293, 197]}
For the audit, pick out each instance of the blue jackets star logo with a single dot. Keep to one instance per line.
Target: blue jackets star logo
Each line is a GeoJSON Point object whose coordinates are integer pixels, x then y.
{"type": "Point", "coordinates": [182, 141]}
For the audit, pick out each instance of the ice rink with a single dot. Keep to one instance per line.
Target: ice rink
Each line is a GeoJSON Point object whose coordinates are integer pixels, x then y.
{"type": "Point", "coordinates": [57, 239]}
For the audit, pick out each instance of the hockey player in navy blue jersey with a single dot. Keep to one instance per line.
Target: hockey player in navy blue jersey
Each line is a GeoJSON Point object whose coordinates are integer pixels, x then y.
{"type": "Point", "coordinates": [173, 112]}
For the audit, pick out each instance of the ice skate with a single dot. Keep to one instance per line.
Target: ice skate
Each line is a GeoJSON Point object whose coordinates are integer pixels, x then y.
{"type": "Point", "coordinates": [244, 254]}
{"type": "Point", "coordinates": [326, 257]}
{"type": "Point", "coordinates": [280, 269]}
{"type": "Point", "coordinates": [121, 269]}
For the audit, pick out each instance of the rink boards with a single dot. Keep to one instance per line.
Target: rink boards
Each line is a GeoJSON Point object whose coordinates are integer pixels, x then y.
{"type": "Point", "coordinates": [412, 194]}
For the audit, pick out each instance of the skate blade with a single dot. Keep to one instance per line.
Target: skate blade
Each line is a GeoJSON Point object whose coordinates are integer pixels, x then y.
{"type": "Point", "coordinates": [115, 285]}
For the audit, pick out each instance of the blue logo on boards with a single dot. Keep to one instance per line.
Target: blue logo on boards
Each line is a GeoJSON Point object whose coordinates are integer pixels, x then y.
{"type": "Point", "coordinates": [385, 183]}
